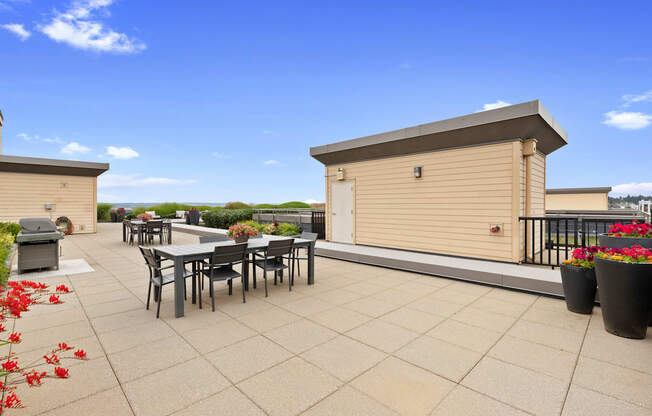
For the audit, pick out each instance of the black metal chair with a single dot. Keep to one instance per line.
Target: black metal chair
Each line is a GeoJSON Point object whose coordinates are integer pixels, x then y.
{"type": "Point", "coordinates": [158, 278]}
{"type": "Point", "coordinates": [212, 238]}
{"type": "Point", "coordinates": [220, 268]}
{"type": "Point", "coordinates": [203, 239]}
{"type": "Point", "coordinates": [272, 260]}
{"type": "Point", "coordinates": [297, 251]}
{"type": "Point", "coordinates": [152, 229]}
{"type": "Point", "coordinates": [132, 230]}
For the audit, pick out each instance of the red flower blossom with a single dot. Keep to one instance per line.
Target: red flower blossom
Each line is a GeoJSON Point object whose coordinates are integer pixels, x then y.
{"type": "Point", "coordinates": [54, 299]}
{"type": "Point", "coordinates": [63, 288]}
{"type": "Point", "coordinates": [34, 378]}
{"type": "Point", "coordinates": [14, 337]}
{"type": "Point", "coordinates": [81, 354]}
{"type": "Point", "coordinates": [12, 401]}
{"type": "Point", "coordinates": [51, 360]}
{"type": "Point", "coordinates": [2, 327]}
{"type": "Point", "coordinates": [60, 372]}
{"type": "Point", "coordinates": [64, 347]}
{"type": "Point", "coordinates": [10, 366]}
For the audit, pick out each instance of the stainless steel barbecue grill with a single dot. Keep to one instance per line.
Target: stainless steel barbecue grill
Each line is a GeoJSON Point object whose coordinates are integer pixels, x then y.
{"type": "Point", "coordinates": [38, 244]}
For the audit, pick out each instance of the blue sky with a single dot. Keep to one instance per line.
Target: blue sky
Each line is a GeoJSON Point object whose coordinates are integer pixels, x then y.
{"type": "Point", "coordinates": [219, 101]}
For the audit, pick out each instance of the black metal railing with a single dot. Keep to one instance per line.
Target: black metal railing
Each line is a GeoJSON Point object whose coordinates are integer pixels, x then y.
{"type": "Point", "coordinates": [319, 224]}
{"type": "Point", "coordinates": [548, 241]}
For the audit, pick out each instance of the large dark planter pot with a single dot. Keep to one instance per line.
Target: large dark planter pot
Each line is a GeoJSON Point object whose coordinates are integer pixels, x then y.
{"type": "Point", "coordinates": [242, 239]}
{"type": "Point", "coordinates": [579, 288]}
{"type": "Point", "coordinates": [625, 296]}
{"type": "Point", "coordinates": [622, 242]}
{"type": "Point", "coordinates": [114, 217]}
{"type": "Point", "coordinates": [193, 215]}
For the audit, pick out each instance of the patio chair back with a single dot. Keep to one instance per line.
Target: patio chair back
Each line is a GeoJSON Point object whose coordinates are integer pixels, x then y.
{"type": "Point", "coordinates": [228, 254]}
{"type": "Point", "coordinates": [309, 236]}
{"type": "Point", "coordinates": [154, 226]}
{"type": "Point", "coordinates": [149, 257]}
{"type": "Point", "coordinates": [212, 238]}
{"type": "Point", "coordinates": [278, 248]}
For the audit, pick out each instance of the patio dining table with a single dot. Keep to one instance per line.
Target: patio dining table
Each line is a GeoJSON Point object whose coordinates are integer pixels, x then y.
{"type": "Point", "coordinates": [167, 227]}
{"type": "Point", "coordinates": [182, 254]}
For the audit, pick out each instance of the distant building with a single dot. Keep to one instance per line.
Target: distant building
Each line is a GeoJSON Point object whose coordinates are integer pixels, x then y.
{"type": "Point", "coordinates": [49, 188]}
{"type": "Point", "coordinates": [577, 199]}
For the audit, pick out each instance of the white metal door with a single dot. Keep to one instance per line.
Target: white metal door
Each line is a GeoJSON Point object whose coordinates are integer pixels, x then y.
{"type": "Point", "coordinates": [342, 212]}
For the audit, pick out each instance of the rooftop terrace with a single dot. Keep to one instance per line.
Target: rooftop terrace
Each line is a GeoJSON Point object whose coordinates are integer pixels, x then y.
{"type": "Point", "coordinates": [362, 340]}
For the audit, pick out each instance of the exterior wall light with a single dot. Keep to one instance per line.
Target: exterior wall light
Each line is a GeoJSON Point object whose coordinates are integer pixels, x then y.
{"type": "Point", "coordinates": [340, 174]}
{"type": "Point", "coordinates": [417, 172]}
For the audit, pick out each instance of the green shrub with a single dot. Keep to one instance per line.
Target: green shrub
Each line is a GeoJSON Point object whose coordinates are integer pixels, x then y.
{"type": "Point", "coordinates": [236, 205]}
{"type": "Point", "coordinates": [269, 229]}
{"type": "Point", "coordinates": [103, 211]}
{"type": "Point", "coordinates": [294, 204]}
{"type": "Point", "coordinates": [6, 240]}
{"type": "Point", "coordinates": [256, 225]}
{"type": "Point", "coordinates": [9, 227]}
{"type": "Point", "coordinates": [224, 218]}
{"type": "Point", "coordinates": [265, 206]}
{"type": "Point", "coordinates": [287, 229]}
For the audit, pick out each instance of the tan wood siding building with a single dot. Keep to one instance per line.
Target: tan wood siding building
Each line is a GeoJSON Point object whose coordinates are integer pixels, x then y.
{"type": "Point", "coordinates": [578, 199]}
{"type": "Point", "coordinates": [453, 207]}
{"type": "Point", "coordinates": [49, 188]}
{"type": "Point", "coordinates": [26, 195]}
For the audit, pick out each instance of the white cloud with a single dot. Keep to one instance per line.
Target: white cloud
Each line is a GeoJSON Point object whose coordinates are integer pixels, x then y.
{"type": "Point", "coordinates": [311, 201]}
{"type": "Point", "coordinates": [270, 162]}
{"type": "Point", "coordinates": [493, 106]}
{"type": "Point", "coordinates": [222, 156]}
{"type": "Point", "coordinates": [637, 98]}
{"type": "Point", "coordinates": [27, 137]}
{"type": "Point", "coordinates": [76, 28]}
{"type": "Point", "coordinates": [53, 140]}
{"type": "Point", "coordinates": [18, 30]}
{"type": "Point", "coordinates": [625, 120]}
{"type": "Point", "coordinates": [123, 153]}
{"type": "Point", "coordinates": [102, 197]}
{"type": "Point", "coordinates": [74, 148]}
{"type": "Point", "coordinates": [111, 180]}
{"type": "Point", "coordinates": [642, 188]}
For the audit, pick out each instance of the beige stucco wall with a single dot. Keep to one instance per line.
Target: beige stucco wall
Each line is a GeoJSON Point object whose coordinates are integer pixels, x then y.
{"type": "Point", "coordinates": [25, 195]}
{"type": "Point", "coordinates": [451, 208]}
{"type": "Point", "coordinates": [592, 201]}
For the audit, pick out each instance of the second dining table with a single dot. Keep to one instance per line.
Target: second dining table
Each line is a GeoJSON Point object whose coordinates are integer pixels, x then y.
{"type": "Point", "coordinates": [182, 254]}
{"type": "Point", "coordinates": [142, 225]}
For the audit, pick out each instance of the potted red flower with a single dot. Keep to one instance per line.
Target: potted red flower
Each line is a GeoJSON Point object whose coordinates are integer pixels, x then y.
{"type": "Point", "coordinates": [624, 276]}
{"type": "Point", "coordinates": [578, 280]}
{"type": "Point", "coordinates": [627, 235]}
{"type": "Point", "coordinates": [241, 232]}
{"type": "Point", "coordinates": [144, 216]}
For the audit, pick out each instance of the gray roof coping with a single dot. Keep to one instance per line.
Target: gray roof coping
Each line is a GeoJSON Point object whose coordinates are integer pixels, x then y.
{"type": "Point", "coordinates": [51, 166]}
{"type": "Point", "coordinates": [595, 190]}
{"type": "Point", "coordinates": [519, 121]}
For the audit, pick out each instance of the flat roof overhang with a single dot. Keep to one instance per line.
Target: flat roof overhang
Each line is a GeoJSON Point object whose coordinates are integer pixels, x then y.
{"type": "Point", "coordinates": [514, 122]}
{"type": "Point", "coordinates": [596, 190]}
{"type": "Point", "coordinates": [51, 166]}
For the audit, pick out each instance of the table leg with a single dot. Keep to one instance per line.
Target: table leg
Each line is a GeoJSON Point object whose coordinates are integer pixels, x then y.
{"type": "Point", "coordinates": [194, 282]}
{"type": "Point", "coordinates": [245, 272]}
{"type": "Point", "coordinates": [311, 263]}
{"type": "Point", "coordinates": [140, 235]}
{"type": "Point", "coordinates": [124, 232]}
{"type": "Point", "coordinates": [170, 233]}
{"type": "Point", "coordinates": [157, 288]}
{"type": "Point", "coordinates": [178, 287]}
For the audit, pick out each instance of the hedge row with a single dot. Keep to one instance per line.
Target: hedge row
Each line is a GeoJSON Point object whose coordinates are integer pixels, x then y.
{"type": "Point", "coordinates": [8, 232]}
{"type": "Point", "coordinates": [224, 218]}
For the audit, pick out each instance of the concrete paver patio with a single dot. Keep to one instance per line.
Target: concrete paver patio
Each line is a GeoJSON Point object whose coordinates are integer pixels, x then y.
{"type": "Point", "coordinates": [362, 341]}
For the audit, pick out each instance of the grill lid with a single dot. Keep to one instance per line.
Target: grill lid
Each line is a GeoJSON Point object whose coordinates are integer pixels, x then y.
{"type": "Point", "coordinates": [37, 225]}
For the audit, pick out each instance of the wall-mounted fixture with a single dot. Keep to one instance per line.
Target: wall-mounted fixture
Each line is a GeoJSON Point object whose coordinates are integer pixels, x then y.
{"type": "Point", "coordinates": [417, 172]}
{"type": "Point", "coordinates": [495, 228]}
{"type": "Point", "coordinates": [340, 174]}
{"type": "Point", "coordinates": [49, 207]}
